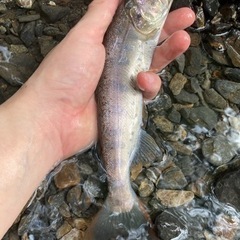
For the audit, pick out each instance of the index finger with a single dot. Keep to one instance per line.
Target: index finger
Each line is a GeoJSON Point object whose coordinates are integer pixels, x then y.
{"type": "Point", "coordinates": [177, 20]}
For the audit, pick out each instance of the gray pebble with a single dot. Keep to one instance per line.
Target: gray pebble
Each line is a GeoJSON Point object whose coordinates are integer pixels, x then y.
{"type": "Point", "coordinates": [3, 8]}
{"type": "Point", "coordinates": [146, 188]}
{"type": "Point", "coordinates": [28, 18]}
{"type": "Point", "coordinates": [54, 13]}
{"type": "Point", "coordinates": [170, 226]}
{"type": "Point", "coordinates": [27, 34]}
{"type": "Point", "coordinates": [186, 97]}
{"type": "Point", "coordinates": [172, 178]}
{"type": "Point", "coordinates": [232, 74]}
{"type": "Point", "coordinates": [229, 90]}
{"type": "Point", "coordinates": [202, 116]}
{"type": "Point", "coordinates": [11, 74]}
{"type": "Point", "coordinates": [214, 98]}
{"type": "Point", "coordinates": [174, 116]}
{"type": "Point", "coordinates": [218, 150]}
{"type": "Point", "coordinates": [177, 83]}
{"type": "Point", "coordinates": [194, 61]}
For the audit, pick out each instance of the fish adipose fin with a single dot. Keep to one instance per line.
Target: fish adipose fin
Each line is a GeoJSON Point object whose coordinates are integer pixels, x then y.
{"type": "Point", "coordinates": [109, 225]}
{"type": "Point", "coordinates": [148, 149]}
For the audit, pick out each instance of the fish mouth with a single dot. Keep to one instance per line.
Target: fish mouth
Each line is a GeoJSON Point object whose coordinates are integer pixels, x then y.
{"type": "Point", "coordinates": [147, 16]}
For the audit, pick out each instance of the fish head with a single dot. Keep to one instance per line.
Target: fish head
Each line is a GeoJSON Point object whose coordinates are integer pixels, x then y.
{"type": "Point", "coordinates": [147, 16]}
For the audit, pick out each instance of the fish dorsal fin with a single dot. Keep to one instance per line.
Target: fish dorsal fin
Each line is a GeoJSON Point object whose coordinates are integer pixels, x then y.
{"type": "Point", "coordinates": [148, 149]}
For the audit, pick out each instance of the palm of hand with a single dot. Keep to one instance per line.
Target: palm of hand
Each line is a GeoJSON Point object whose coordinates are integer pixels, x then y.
{"type": "Point", "coordinates": [62, 88]}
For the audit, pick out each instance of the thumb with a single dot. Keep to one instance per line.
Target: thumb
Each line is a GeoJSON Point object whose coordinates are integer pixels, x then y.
{"type": "Point", "coordinates": [97, 19]}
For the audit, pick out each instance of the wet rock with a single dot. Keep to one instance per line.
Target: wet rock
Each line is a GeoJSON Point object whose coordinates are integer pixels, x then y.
{"type": "Point", "coordinates": [63, 230]}
{"type": "Point", "coordinates": [64, 210]}
{"type": "Point", "coordinates": [195, 86]}
{"type": "Point", "coordinates": [179, 106]}
{"type": "Point", "coordinates": [3, 8]}
{"type": "Point", "coordinates": [162, 102]}
{"type": "Point", "coordinates": [186, 97]}
{"type": "Point", "coordinates": [153, 173]}
{"type": "Point", "coordinates": [170, 226]}
{"type": "Point", "coordinates": [218, 150]}
{"type": "Point", "coordinates": [53, 31]}
{"type": "Point", "coordinates": [54, 13]}
{"type": "Point", "coordinates": [74, 234]}
{"type": "Point", "coordinates": [62, 2]}
{"type": "Point", "coordinates": [146, 188]}
{"type": "Point", "coordinates": [211, 7]}
{"type": "Point", "coordinates": [219, 56]}
{"type": "Point", "coordinates": [163, 124]}
{"type": "Point", "coordinates": [194, 61]}
{"type": "Point", "coordinates": [18, 49]}
{"type": "Point", "coordinates": [214, 98]}
{"type": "Point", "coordinates": [200, 21]}
{"type": "Point", "coordinates": [174, 198]}
{"type": "Point", "coordinates": [202, 116]}
{"type": "Point", "coordinates": [227, 188]}
{"type": "Point", "coordinates": [226, 226]}
{"type": "Point", "coordinates": [41, 219]}
{"type": "Point", "coordinates": [180, 63]}
{"type": "Point", "coordinates": [179, 134]}
{"type": "Point", "coordinates": [25, 3]}
{"type": "Point", "coordinates": [195, 39]}
{"type": "Point", "coordinates": [182, 148]}
{"type": "Point", "coordinates": [74, 198]}
{"type": "Point", "coordinates": [229, 90]}
{"type": "Point", "coordinates": [85, 168]}
{"type": "Point", "coordinates": [46, 44]}
{"type": "Point", "coordinates": [27, 34]}
{"type": "Point", "coordinates": [183, 3]}
{"type": "Point", "coordinates": [68, 176]}
{"type": "Point", "coordinates": [174, 116]}
{"type": "Point", "coordinates": [232, 74]}
{"type": "Point", "coordinates": [186, 164]}
{"type": "Point", "coordinates": [81, 223]}
{"type": "Point", "coordinates": [11, 74]}
{"type": "Point", "coordinates": [28, 18]}
{"type": "Point", "coordinates": [24, 61]}
{"type": "Point", "coordinates": [94, 187]}
{"type": "Point", "coordinates": [136, 170]}
{"type": "Point", "coordinates": [172, 178]}
{"type": "Point", "coordinates": [234, 55]}
{"type": "Point", "coordinates": [57, 200]}
{"type": "Point", "coordinates": [3, 30]}
{"type": "Point", "coordinates": [177, 83]}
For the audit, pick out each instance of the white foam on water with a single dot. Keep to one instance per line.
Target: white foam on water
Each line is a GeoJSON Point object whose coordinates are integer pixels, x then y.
{"type": "Point", "coordinates": [5, 54]}
{"type": "Point", "coordinates": [200, 130]}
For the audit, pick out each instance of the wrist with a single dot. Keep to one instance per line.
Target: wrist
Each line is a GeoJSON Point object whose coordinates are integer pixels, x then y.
{"type": "Point", "coordinates": [26, 156]}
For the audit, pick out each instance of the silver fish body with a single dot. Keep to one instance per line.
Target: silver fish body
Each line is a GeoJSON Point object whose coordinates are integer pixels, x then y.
{"type": "Point", "coordinates": [130, 42]}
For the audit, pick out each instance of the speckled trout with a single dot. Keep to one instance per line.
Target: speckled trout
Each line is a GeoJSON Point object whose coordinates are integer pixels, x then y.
{"type": "Point", "coordinates": [130, 43]}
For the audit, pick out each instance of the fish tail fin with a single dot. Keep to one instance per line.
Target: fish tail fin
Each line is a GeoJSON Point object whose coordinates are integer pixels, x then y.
{"type": "Point", "coordinates": [109, 225]}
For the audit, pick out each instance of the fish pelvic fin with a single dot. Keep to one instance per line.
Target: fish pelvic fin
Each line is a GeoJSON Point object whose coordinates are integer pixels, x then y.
{"type": "Point", "coordinates": [129, 225]}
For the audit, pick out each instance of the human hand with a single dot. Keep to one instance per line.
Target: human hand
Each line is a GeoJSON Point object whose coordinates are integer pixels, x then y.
{"type": "Point", "coordinates": [59, 96]}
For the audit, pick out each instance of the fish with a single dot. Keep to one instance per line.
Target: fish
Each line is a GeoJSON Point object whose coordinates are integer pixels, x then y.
{"type": "Point", "coordinates": [130, 42]}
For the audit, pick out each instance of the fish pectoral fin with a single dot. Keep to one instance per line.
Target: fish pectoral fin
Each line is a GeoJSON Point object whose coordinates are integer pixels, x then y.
{"type": "Point", "coordinates": [148, 149]}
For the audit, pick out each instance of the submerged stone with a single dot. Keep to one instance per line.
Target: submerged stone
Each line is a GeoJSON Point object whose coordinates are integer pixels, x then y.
{"type": "Point", "coordinates": [68, 176]}
{"type": "Point", "coordinates": [202, 116]}
{"type": "Point", "coordinates": [170, 226]}
{"type": "Point", "coordinates": [229, 90]}
{"type": "Point", "coordinates": [218, 150]}
{"type": "Point", "coordinates": [174, 198]}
